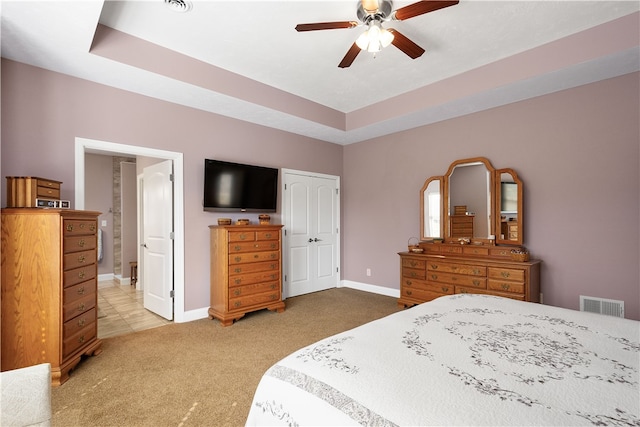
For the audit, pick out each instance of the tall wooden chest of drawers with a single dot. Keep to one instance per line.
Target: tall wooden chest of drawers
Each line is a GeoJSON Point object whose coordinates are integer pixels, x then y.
{"type": "Point", "coordinates": [49, 288]}
{"type": "Point", "coordinates": [479, 270]}
{"type": "Point", "coordinates": [246, 270]}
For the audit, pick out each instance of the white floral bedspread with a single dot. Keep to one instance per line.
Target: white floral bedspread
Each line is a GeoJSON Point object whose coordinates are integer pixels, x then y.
{"type": "Point", "coordinates": [462, 360]}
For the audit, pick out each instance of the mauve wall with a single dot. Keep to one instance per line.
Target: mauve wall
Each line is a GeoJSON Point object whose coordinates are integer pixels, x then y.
{"type": "Point", "coordinates": [43, 112]}
{"type": "Point", "coordinates": [98, 188]}
{"type": "Point", "coordinates": [577, 152]}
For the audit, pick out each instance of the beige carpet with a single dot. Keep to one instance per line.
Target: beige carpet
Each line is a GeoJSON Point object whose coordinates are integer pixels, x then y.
{"type": "Point", "coordinates": [200, 373]}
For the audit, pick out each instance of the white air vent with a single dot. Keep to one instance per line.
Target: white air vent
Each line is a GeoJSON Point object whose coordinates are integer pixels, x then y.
{"type": "Point", "coordinates": [179, 5]}
{"type": "Point", "coordinates": [609, 307]}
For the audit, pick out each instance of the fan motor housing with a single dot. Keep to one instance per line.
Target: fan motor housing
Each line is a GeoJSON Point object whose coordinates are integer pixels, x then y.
{"type": "Point", "coordinates": [384, 10]}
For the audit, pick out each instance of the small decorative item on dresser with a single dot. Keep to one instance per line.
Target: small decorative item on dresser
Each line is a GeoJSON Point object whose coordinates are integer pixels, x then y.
{"type": "Point", "coordinates": [243, 221]}
{"type": "Point", "coordinates": [413, 245]}
{"type": "Point", "coordinates": [224, 221]}
{"type": "Point", "coordinates": [520, 254]}
{"type": "Point", "coordinates": [264, 219]}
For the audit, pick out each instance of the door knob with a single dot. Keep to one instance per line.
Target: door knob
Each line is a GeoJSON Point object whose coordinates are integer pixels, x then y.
{"type": "Point", "coordinates": [310, 240]}
{"type": "Point", "coordinates": [317, 240]}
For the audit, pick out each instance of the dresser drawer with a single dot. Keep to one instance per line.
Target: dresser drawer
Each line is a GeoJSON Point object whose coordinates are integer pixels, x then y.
{"type": "Point", "coordinates": [506, 274]}
{"type": "Point", "coordinates": [261, 276]}
{"type": "Point", "coordinates": [500, 252]}
{"type": "Point", "coordinates": [78, 323]}
{"type": "Point", "coordinates": [442, 288]}
{"type": "Point", "coordinates": [414, 283]}
{"type": "Point", "coordinates": [242, 236]}
{"type": "Point", "coordinates": [253, 267]}
{"type": "Point", "coordinates": [451, 249]}
{"type": "Point", "coordinates": [258, 245]}
{"type": "Point", "coordinates": [77, 259]}
{"type": "Point", "coordinates": [472, 270]}
{"type": "Point", "coordinates": [48, 193]}
{"type": "Point", "coordinates": [457, 279]}
{"type": "Point", "coordinates": [414, 263]}
{"type": "Point", "coordinates": [241, 303]}
{"type": "Point", "coordinates": [420, 294]}
{"type": "Point", "coordinates": [256, 288]}
{"type": "Point", "coordinates": [75, 227]}
{"type": "Point", "coordinates": [80, 243]}
{"type": "Point", "coordinates": [475, 250]}
{"type": "Point", "coordinates": [72, 309]}
{"type": "Point", "coordinates": [506, 286]}
{"type": "Point", "coordinates": [470, 290]}
{"type": "Point", "coordinates": [78, 275]}
{"type": "Point", "coordinates": [76, 292]}
{"type": "Point", "coordinates": [79, 339]}
{"type": "Point", "coordinates": [267, 235]}
{"type": "Point", "coordinates": [240, 258]}
{"type": "Point", "coordinates": [413, 273]}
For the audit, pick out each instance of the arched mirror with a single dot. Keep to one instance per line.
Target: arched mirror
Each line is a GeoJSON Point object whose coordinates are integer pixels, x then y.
{"type": "Point", "coordinates": [473, 200]}
{"type": "Point", "coordinates": [431, 206]}
{"type": "Point", "coordinates": [469, 203]}
{"type": "Point", "coordinates": [509, 205]}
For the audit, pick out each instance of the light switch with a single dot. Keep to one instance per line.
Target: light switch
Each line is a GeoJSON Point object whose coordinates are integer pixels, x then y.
{"type": "Point", "coordinates": [104, 223]}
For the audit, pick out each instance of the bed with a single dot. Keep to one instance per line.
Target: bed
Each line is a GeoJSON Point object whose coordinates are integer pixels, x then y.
{"type": "Point", "coordinates": [461, 360]}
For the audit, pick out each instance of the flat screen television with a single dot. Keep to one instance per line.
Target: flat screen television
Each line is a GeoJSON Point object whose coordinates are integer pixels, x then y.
{"type": "Point", "coordinates": [236, 187]}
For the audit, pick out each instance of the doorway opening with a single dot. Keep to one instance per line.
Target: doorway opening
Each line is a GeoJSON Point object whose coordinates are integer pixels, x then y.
{"type": "Point", "coordinates": [83, 146]}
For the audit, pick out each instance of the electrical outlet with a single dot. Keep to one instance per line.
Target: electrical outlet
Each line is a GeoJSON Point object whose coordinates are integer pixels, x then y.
{"type": "Point", "coordinates": [368, 272]}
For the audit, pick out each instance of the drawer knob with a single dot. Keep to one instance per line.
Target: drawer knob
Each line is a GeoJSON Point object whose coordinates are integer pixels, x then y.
{"type": "Point", "coordinates": [409, 292]}
{"type": "Point", "coordinates": [81, 290]}
{"type": "Point", "coordinates": [237, 304]}
{"type": "Point", "coordinates": [434, 276]}
{"type": "Point", "coordinates": [476, 282]}
{"type": "Point", "coordinates": [81, 307]}
{"type": "Point", "coordinates": [273, 286]}
{"type": "Point", "coordinates": [476, 271]}
{"type": "Point", "coordinates": [413, 263]}
{"type": "Point", "coordinates": [274, 266]}
{"type": "Point", "coordinates": [408, 282]}
{"type": "Point", "coordinates": [274, 297]}
{"type": "Point", "coordinates": [81, 274]}
{"type": "Point", "coordinates": [505, 274]}
{"type": "Point", "coordinates": [238, 281]}
{"type": "Point", "coordinates": [413, 274]}
{"type": "Point", "coordinates": [81, 259]}
{"type": "Point", "coordinates": [505, 286]}
{"type": "Point", "coordinates": [81, 225]}
{"type": "Point", "coordinates": [237, 248]}
{"type": "Point", "coordinates": [274, 255]}
{"type": "Point", "coordinates": [81, 243]}
{"type": "Point", "coordinates": [81, 322]}
{"type": "Point", "coordinates": [238, 258]}
{"type": "Point", "coordinates": [92, 227]}
{"type": "Point", "coordinates": [69, 227]}
{"type": "Point", "coordinates": [238, 270]}
{"type": "Point", "coordinates": [445, 289]}
{"type": "Point", "coordinates": [81, 339]}
{"type": "Point", "coordinates": [243, 236]}
{"type": "Point", "coordinates": [237, 292]}
{"type": "Point", "coordinates": [434, 266]}
{"type": "Point", "coordinates": [268, 235]}
{"type": "Point", "coordinates": [273, 246]}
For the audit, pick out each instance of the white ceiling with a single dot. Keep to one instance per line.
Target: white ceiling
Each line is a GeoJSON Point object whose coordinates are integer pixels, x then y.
{"type": "Point", "coordinates": [257, 40]}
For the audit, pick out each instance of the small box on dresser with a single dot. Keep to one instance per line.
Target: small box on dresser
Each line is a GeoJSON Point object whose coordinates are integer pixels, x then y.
{"type": "Point", "coordinates": [49, 288]}
{"type": "Point", "coordinates": [246, 270]}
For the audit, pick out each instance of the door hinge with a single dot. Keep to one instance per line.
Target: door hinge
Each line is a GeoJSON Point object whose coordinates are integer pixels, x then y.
{"type": "Point", "coordinates": [337, 269]}
{"type": "Point", "coordinates": [171, 235]}
{"type": "Point", "coordinates": [285, 232]}
{"type": "Point", "coordinates": [171, 177]}
{"type": "Point", "coordinates": [285, 186]}
{"type": "Point", "coordinates": [337, 191]}
{"type": "Point", "coordinates": [285, 277]}
{"type": "Point", "coordinates": [172, 293]}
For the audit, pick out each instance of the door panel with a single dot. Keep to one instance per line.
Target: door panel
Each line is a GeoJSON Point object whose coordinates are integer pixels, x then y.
{"type": "Point", "coordinates": [310, 217]}
{"type": "Point", "coordinates": [158, 242]}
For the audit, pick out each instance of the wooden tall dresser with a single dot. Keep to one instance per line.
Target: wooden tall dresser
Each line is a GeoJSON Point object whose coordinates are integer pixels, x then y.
{"type": "Point", "coordinates": [49, 288]}
{"type": "Point", "coordinates": [246, 270]}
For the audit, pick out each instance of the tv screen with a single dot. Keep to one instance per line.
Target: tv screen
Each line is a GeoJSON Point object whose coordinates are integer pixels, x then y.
{"type": "Point", "coordinates": [235, 187]}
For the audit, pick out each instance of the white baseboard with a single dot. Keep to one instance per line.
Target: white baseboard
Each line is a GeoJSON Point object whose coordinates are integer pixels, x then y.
{"type": "Point", "coordinates": [105, 277]}
{"type": "Point", "coordinates": [381, 290]}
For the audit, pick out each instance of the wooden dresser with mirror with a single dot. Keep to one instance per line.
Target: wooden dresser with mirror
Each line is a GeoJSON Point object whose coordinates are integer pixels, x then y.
{"type": "Point", "coordinates": [491, 258]}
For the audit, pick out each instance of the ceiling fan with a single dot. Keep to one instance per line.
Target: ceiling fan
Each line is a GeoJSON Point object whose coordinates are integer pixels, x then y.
{"type": "Point", "coordinates": [372, 13]}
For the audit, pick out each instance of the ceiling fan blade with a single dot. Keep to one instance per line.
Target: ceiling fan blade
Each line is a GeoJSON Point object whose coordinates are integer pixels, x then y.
{"type": "Point", "coordinates": [350, 56]}
{"type": "Point", "coordinates": [326, 25]}
{"type": "Point", "coordinates": [404, 44]}
{"type": "Point", "coordinates": [421, 8]}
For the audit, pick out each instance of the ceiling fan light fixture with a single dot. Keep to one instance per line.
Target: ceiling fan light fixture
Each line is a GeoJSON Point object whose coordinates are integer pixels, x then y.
{"type": "Point", "coordinates": [375, 38]}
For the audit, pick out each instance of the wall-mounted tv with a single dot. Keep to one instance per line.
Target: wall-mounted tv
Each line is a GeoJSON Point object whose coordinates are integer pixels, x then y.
{"type": "Point", "coordinates": [236, 187]}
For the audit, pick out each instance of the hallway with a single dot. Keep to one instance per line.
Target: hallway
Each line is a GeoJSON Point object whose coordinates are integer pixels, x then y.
{"type": "Point", "coordinates": [121, 310]}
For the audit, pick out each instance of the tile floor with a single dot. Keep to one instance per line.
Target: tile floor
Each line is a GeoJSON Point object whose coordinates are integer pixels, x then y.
{"type": "Point", "coordinates": [121, 310]}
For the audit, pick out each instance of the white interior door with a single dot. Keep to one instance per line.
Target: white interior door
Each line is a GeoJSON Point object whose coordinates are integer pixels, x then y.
{"type": "Point", "coordinates": [311, 227]}
{"type": "Point", "coordinates": [157, 253]}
